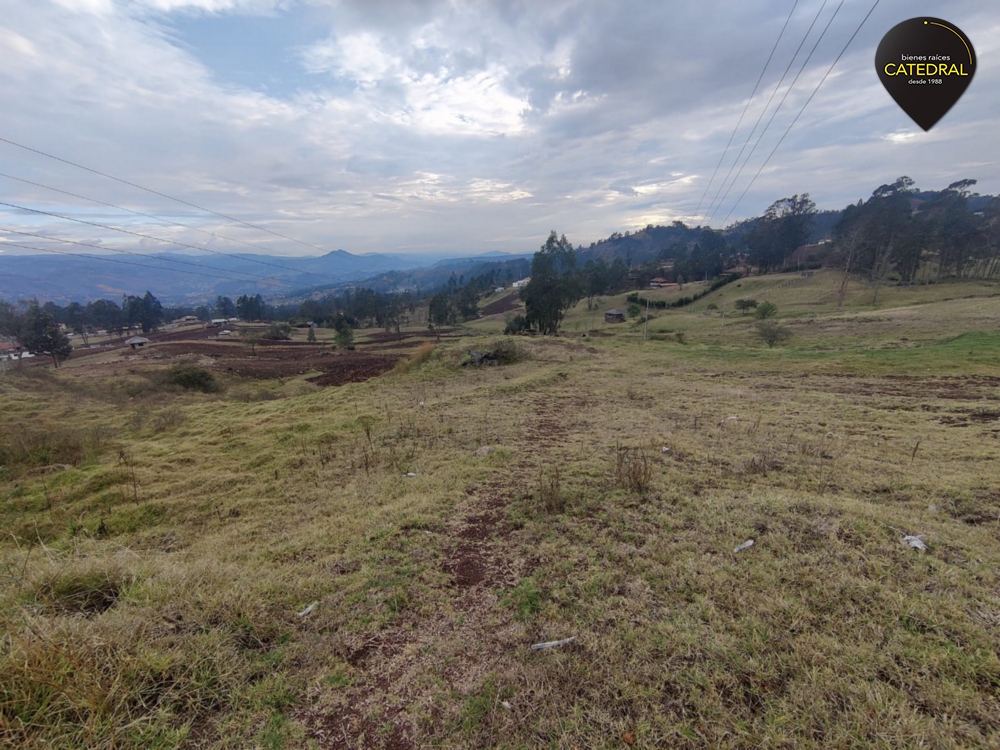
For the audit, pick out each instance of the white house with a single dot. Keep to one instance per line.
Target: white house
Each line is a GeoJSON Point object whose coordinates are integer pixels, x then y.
{"type": "Point", "coordinates": [522, 282]}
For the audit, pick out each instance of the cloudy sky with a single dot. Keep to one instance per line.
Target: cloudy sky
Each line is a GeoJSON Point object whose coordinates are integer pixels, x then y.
{"type": "Point", "coordinates": [456, 126]}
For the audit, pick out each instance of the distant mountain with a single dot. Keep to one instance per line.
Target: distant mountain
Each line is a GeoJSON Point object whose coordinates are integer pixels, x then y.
{"type": "Point", "coordinates": [426, 278]}
{"type": "Point", "coordinates": [175, 278]}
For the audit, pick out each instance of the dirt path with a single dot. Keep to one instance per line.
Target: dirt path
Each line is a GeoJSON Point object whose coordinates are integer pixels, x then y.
{"type": "Point", "coordinates": [408, 667]}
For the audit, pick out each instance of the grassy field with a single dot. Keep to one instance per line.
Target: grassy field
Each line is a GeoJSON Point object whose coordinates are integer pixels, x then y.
{"type": "Point", "coordinates": [367, 566]}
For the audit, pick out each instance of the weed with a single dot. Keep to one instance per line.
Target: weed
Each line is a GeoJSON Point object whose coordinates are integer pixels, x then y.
{"type": "Point", "coordinates": [509, 351]}
{"type": "Point", "coordinates": [633, 469]}
{"type": "Point", "coordinates": [550, 496]}
{"type": "Point", "coordinates": [525, 600]}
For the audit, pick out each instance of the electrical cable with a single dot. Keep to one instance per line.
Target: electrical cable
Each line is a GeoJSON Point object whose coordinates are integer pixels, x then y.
{"type": "Point", "coordinates": [763, 112]}
{"type": "Point", "coordinates": [173, 223]}
{"type": "Point", "coordinates": [89, 256]}
{"type": "Point", "coordinates": [134, 234]}
{"type": "Point", "coordinates": [148, 257]}
{"type": "Point", "coordinates": [746, 106]}
{"type": "Point", "coordinates": [780, 105]}
{"type": "Point", "coordinates": [157, 192]}
{"type": "Point", "coordinates": [829, 70]}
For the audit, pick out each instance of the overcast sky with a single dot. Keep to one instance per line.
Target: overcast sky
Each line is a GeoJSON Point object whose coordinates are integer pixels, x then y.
{"type": "Point", "coordinates": [453, 126]}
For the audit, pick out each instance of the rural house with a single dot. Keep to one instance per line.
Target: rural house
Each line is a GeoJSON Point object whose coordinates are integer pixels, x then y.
{"type": "Point", "coordinates": [137, 342]}
{"type": "Point", "coordinates": [614, 316]}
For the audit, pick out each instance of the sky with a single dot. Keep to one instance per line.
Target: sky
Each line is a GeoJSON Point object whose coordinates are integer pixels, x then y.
{"type": "Point", "coordinates": [455, 127]}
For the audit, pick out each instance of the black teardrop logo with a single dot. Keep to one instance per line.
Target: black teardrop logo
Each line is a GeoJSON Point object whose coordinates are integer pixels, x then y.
{"type": "Point", "coordinates": [925, 64]}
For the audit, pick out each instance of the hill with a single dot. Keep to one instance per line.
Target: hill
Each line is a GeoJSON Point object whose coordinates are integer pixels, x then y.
{"type": "Point", "coordinates": [278, 564]}
{"type": "Point", "coordinates": [182, 278]}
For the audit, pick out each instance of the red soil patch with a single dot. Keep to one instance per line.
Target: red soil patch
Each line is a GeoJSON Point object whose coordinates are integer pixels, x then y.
{"type": "Point", "coordinates": [502, 305]}
{"type": "Point", "coordinates": [353, 368]}
{"type": "Point", "coordinates": [383, 336]}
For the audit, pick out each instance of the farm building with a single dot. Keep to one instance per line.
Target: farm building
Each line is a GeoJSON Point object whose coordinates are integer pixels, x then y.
{"type": "Point", "coordinates": [521, 282]}
{"type": "Point", "coordinates": [137, 342]}
{"type": "Point", "coordinates": [614, 316]}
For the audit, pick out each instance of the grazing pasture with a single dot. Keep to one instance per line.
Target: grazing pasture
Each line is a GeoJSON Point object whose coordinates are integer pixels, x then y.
{"type": "Point", "coordinates": [274, 563]}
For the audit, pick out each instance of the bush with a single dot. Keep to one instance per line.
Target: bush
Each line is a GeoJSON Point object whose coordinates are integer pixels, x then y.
{"type": "Point", "coordinates": [278, 332]}
{"type": "Point", "coordinates": [772, 334]}
{"type": "Point", "coordinates": [745, 304]}
{"type": "Point", "coordinates": [193, 378]}
{"type": "Point", "coordinates": [509, 352]}
{"type": "Point", "coordinates": [633, 470]}
{"type": "Point", "coordinates": [517, 324]}
{"type": "Point", "coordinates": [766, 310]}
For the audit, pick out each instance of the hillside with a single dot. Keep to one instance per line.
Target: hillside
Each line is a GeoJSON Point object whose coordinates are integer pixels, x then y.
{"type": "Point", "coordinates": [178, 278]}
{"type": "Point", "coordinates": [283, 565]}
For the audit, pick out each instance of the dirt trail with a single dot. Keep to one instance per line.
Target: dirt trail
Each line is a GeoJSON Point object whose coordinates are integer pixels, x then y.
{"type": "Point", "coordinates": [472, 634]}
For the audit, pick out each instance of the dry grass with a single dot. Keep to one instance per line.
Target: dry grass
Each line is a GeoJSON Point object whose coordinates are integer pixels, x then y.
{"type": "Point", "coordinates": [167, 616]}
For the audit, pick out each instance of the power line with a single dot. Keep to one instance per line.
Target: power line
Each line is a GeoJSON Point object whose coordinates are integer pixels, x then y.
{"type": "Point", "coordinates": [173, 223]}
{"type": "Point", "coordinates": [780, 105]}
{"type": "Point", "coordinates": [134, 234]}
{"type": "Point", "coordinates": [162, 195]}
{"type": "Point", "coordinates": [740, 121]}
{"type": "Point", "coordinates": [140, 255]}
{"type": "Point", "coordinates": [829, 70]}
{"type": "Point", "coordinates": [763, 111]}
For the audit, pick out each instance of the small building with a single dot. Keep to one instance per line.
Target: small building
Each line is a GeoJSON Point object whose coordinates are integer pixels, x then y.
{"type": "Point", "coordinates": [217, 322]}
{"type": "Point", "coordinates": [521, 282]}
{"type": "Point", "coordinates": [137, 342]}
{"type": "Point", "coordinates": [657, 282]}
{"type": "Point", "coordinates": [614, 316]}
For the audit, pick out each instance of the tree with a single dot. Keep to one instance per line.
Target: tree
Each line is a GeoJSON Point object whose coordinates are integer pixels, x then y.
{"type": "Point", "coordinates": [311, 336]}
{"type": "Point", "coordinates": [772, 334]}
{"type": "Point", "coordinates": [145, 311]}
{"type": "Point", "coordinates": [633, 310]}
{"type": "Point", "coordinates": [783, 227]}
{"type": "Point", "coordinates": [278, 332]}
{"type": "Point", "coordinates": [76, 319]}
{"type": "Point", "coordinates": [105, 314]}
{"type": "Point", "coordinates": [40, 333]}
{"type": "Point", "coordinates": [224, 307]}
{"type": "Point", "coordinates": [745, 304]}
{"type": "Point", "coordinates": [766, 310]}
{"type": "Point", "coordinates": [250, 308]}
{"type": "Point", "coordinates": [554, 287]}
{"type": "Point", "coordinates": [344, 338]}
{"type": "Point", "coordinates": [251, 339]}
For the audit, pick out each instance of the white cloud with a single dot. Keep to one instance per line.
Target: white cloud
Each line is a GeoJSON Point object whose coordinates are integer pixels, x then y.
{"type": "Point", "coordinates": [424, 124]}
{"type": "Point", "coordinates": [900, 136]}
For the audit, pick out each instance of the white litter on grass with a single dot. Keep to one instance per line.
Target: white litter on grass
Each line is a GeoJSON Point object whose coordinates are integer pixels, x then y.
{"type": "Point", "coordinates": [916, 542]}
{"type": "Point", "coordinates": [409, 474]}
{"type": "Point", "coordinates": [664, 449]}
{"type": "Point", "coordinates": [553, 644]}
{"type": "Point", "coordinates": [746, 545]}
{"type": "Point", "coordinates": [507, 705]}
{"type": "Point", "coordinates": [307, 610]}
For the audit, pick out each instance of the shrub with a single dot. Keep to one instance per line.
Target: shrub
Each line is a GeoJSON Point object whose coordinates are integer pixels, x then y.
{"type": "Point", "coordinates": [193, 378]}
{"type": "Point", "coordinates": [517, 324]}
{"type": "Point", "coordinates": [772, 334]}
{"type": "Point", "coordinates": [745, 304]}
{"type": "Point", "coordinates": [633, 470]}
{"type": "Point", "coordinates": [508, 352]}
{"type": "Point", "coordinates": [278, 332]}
{"type": "Point", "coordinates": [766, 310]}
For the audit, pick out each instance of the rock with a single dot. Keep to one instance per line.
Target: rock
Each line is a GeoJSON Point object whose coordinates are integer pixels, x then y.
{"type": "Point", "coordinates": [484, 451]}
